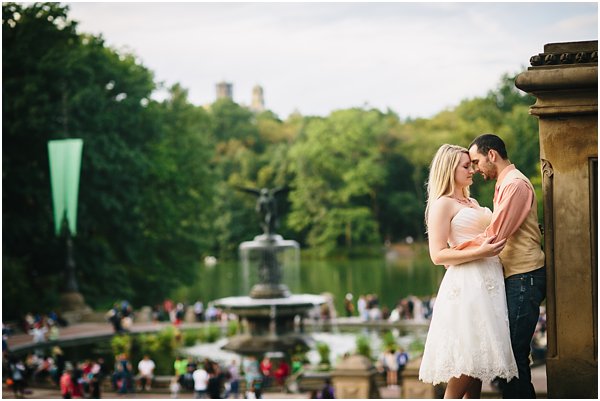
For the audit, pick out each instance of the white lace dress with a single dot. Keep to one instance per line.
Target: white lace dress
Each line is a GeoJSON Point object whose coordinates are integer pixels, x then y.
{"type": "Point", "coordinates": [469, 331]}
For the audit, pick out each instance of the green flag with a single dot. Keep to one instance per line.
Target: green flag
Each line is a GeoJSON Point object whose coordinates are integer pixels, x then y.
{"type": "Point", "coordinates": [65, 163]}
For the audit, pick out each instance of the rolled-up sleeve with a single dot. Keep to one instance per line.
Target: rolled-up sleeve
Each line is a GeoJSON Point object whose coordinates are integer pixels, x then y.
{"type": "Point", "coordinates": [510, 210]}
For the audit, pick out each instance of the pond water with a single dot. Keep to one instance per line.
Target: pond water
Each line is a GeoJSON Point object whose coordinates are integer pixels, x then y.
{"type": "Point", "coordinates": [408, 271]}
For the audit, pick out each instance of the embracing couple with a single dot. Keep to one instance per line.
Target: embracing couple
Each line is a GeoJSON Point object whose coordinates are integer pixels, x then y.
{"type": "Point", "coordinates": [488, 303]}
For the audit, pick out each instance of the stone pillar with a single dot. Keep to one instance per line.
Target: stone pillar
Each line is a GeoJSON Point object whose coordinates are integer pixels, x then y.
{"type": "Point", "coordinates": [354, 377]}
{"type": "Point", "coordinates": [144, 315]}
{"type": "Point", "coordinates": [413, 388]}
{"type": "Point", "coordinates": [73, 307]}
{"type": "Point", "coordinates": [564, 79]}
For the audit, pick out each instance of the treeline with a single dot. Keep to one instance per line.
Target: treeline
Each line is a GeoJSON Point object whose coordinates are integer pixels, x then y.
{"type": "Point", "coordinates": [157, 178]}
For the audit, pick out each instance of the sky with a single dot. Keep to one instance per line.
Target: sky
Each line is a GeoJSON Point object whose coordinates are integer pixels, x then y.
{"type": "Point", "coordinates": [416, 59]}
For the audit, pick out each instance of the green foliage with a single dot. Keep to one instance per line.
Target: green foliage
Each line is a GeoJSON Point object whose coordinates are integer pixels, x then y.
{"type": "Point", "coordinates": [207, 334]}
{"type": "Point", "coordinates": [148, 344]}
{"type": "Point", "coordinates": [389, 342]}
{"type": "Point", "coordinates": [363, 346]}
{"type": "Point", "coordinates": [338, 171]}
{"type": "Point", "coordinates": [167, 339]}
{"type": "Point", "coordinates": [121, 344]}
{"type": "Point", "coordinates": [210, 333]}
{"type": "Point", "coordinates": [233, 327]}
{"type": "Point", "coordinates": [324, 353]}
{"type": "Point", "coordinates": [143, 205]}
{"type": "Point", "coordinates": [160, 346]}
{"type": "Point", "coordinates": [34, 52]}
{"type": "Point", "coordinates": [191, 337]}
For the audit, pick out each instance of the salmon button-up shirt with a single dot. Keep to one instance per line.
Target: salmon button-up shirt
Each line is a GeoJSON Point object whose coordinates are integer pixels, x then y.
{"type": "Point", "coordinates": [511, 207]}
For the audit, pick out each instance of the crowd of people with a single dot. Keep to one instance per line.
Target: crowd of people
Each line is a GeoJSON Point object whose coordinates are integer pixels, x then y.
{"type": "Point", "coordinates": [177, 312]}
{"type": "Point", "coordinates": [80, 380]}
{"type": "Point", "coordinates": [368, 308]}
{"type": "Point", "coordinates": [41, 326]}
{"type": "Point", "coordinates": [211, 379]}
{"type": "Point", "coordinates": [206, 378]}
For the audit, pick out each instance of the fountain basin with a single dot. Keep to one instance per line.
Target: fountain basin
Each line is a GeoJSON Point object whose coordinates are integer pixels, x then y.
{"type": "Point", "coordinates": [295, 304]}
{"type": "Point", "coordinates": [270, 324]}
{"type": "Point", "coordinates": [247, 344]}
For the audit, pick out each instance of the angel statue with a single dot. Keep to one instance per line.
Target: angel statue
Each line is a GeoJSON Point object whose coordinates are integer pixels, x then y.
{"type": "Point", "coordinates": [266, 206]}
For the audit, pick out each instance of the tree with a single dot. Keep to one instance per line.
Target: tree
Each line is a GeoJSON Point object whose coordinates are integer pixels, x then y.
{"type": "Point", "coordinates": [33, 49]}
{"type": "Point", "coordinates": [177, 199]}
{"type": "Point", "coordinates": [337, 169]}
{"type": "Point", "coordinates": [143, 208]}
{"type": "Point", "coordinates": [236, 162]}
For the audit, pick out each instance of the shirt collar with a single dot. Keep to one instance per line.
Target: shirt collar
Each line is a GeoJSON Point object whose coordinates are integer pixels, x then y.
{"type": "Point", "coordinates": [503, 174]}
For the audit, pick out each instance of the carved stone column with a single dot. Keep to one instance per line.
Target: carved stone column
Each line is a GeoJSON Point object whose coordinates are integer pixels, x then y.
{"type": "Point", "coordinates": [413, 388]}
{"type": "Point", "coordinates": [564, 79]}
{"type": "Point", "coordinates": [354, 377]}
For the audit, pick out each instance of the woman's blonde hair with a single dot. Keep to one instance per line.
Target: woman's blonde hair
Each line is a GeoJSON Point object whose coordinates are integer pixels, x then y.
{"type": "Point", "coordinates": [441, 174]}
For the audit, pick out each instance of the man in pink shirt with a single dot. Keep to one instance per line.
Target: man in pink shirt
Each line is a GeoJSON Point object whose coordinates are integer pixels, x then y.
{"type": "Point", "coordinates": [515, 218]}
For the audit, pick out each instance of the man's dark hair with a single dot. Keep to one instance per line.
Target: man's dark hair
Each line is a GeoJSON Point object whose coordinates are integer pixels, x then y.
{"type": "Point", "coordinates": [487, 142]}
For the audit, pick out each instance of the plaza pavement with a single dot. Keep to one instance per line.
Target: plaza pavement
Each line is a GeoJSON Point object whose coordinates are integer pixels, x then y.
{"type": "Point", "coordinates": [47, 394]}
{"type": "Point", "coordinates": [538, 374]}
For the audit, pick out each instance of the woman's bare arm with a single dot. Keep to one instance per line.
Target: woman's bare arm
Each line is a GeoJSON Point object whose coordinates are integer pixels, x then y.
{"type": "Point", "coordinates": [441, 213]}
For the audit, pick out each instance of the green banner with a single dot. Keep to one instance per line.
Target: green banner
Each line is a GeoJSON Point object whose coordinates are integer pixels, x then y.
{"type": "Point", "coordinates": [65, 164]}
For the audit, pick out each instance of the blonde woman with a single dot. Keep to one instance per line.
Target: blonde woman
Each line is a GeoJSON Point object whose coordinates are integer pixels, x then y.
{"type": "Point", "coordinates": [468, 340]}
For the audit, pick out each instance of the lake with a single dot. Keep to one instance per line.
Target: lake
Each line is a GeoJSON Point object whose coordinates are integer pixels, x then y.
{"type": "Point", "coordinates": [407, 270]}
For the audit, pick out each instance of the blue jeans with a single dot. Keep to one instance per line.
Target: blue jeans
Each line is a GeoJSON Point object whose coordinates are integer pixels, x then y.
{"type": "Point", "coordinates": [524, 294]}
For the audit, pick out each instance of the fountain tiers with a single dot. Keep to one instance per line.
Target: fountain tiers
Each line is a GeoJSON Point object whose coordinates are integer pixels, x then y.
{"type": "Point", "coordinates": [270, 323]}
{"type": "Point", "coordinates": [270, 312]}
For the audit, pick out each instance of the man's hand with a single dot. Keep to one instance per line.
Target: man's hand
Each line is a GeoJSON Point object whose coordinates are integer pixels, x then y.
{"type": "Point", "coordinates": [487, 249]}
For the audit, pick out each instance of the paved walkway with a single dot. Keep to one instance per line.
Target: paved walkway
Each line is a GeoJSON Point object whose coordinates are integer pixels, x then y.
{"type": "Point", "coordinates": [385, 393]}
{"type": "Point", "coordinates": [46, 394]}
{"type": "Point", "coordinates": [83, 330]}
{"type": "Point", "coordinates": [99, 329]}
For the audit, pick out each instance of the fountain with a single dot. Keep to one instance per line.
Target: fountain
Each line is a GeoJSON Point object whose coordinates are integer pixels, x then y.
{"type": "Point", "coordinates": [271, 316]}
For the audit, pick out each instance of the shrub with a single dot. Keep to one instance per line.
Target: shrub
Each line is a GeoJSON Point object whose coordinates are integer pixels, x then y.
{"type": "Point", "coordinates": [121, 344]}
{"type": "Point", "coordinates": [324, 351]}
{"type": "Point", "coordinates": [233, 327]}
{"type": "Point", "coordinates": [191, 337]}
{"type": "Point", "coordinates": [389, 342]}
{"type": "Point", "coordinates": [210, 334]}
{"type": "Point", "coordinates": [363, 346]}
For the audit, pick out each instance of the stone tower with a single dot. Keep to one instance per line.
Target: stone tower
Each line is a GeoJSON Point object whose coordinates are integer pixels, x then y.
{"type": "Point", "coordinates": [224, 90]}
{"type": "Point", "coordinates": [258, 100]}
{"type": "Point", "coordinates": [564, 80]}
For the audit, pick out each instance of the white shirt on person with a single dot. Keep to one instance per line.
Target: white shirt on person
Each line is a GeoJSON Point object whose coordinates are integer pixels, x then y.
{"type": "Point", "coordinates": [146, 367]}
{"type": "Point", "coordinates": [200, 377]}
